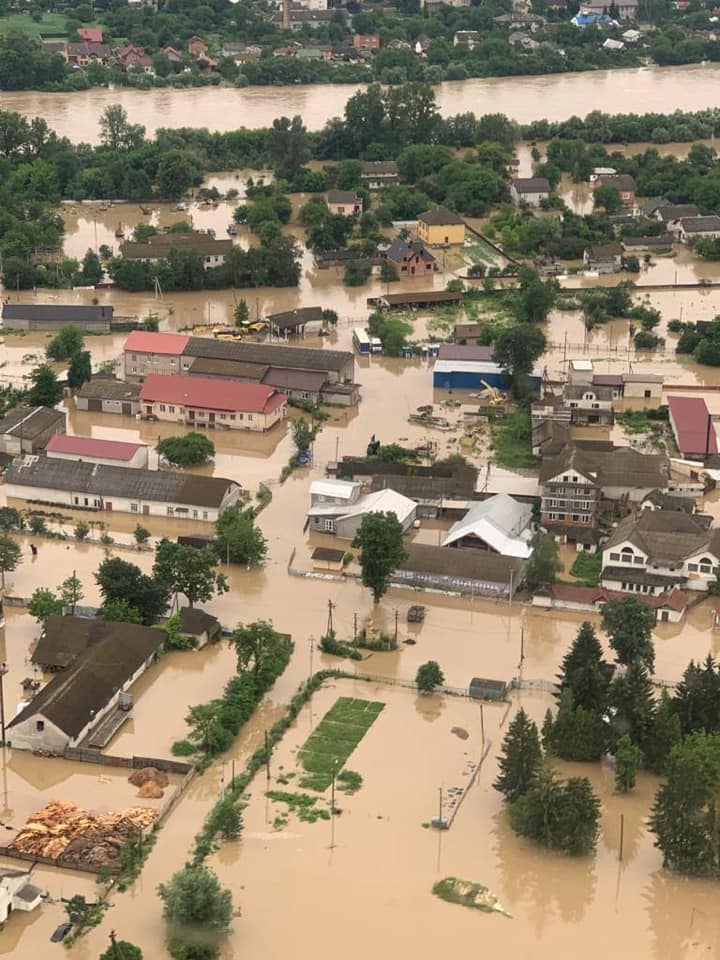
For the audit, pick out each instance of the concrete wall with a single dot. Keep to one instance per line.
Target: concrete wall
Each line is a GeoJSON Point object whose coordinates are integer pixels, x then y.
{"type": "Point", "coordinates": [139, 508]}
{"type": "Point", "coordinates": [638, 390]}
{"type": "Point", "coordinates": [138, 460]}
{"type": "Point", "coordinates": [240, 420]}
{"type": "Point", "coordinates": [138, 365]}
{"type": "Point", "coordinates": [442, 235]}
{"type": "Point", "coordinates": [109, 406]}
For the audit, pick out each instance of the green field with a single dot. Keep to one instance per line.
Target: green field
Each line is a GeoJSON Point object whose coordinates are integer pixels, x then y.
{"type": "Point", "coordinates": [52, 24]}
{"type": "Point", "coordinates": [334, 739]}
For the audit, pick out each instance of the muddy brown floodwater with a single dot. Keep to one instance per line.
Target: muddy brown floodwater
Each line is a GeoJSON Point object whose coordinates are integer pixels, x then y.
{"type": "Point", "coordinates": [557, 97]}
{"type": "Point", "coordinates": [374, 885]}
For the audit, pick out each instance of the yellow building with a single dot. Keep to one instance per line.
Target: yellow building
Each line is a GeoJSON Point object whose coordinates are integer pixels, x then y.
{"type": "Point", "coordinates": [441, 228]}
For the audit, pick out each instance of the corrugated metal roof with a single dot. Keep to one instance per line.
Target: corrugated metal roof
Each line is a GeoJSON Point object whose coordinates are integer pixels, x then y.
{"type": "Point", "coordinates": [92, 447]}
{"type": "Point", "coordinates": [207, 394]}
{"type": "Point", "coordinates": [145, 341]}
{"type": "Point", "coordinates": [29, 422]}
{"type": "Point", "coordinates": [101, 389]}
{"type": "Point", "coordinates": [272, 354]}
{"type": "Point", "coordinates": [500, 522]}
{"type": "Point", "coordinates": [693, 425]}
{"type": "Point", "coordinates": [75, 313]}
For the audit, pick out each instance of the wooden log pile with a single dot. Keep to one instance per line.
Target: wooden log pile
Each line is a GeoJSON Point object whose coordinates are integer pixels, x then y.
{"type": "Point", "coordinates": [62, 829]}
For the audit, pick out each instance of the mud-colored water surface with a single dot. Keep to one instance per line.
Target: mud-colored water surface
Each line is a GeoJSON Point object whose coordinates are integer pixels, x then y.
{"type": "Point", "coordinates": [557, 97]}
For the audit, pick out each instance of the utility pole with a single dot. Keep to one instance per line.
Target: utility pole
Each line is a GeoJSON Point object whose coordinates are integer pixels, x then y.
{"type": "Point", "coordinates": [396, 625]}
{"type": "Point", "coordinates": [267, 756]}
{"type": "Point", "coordinates": [522, 646]}
{"type": "Point", "coordinates": [355, 628]}
{"type": "Point", "coordinates": [3, 671]}
{"type": "Point", "coordinates": [331, 607]}
{"type": "Point", "coordinates": [622, 835]}
{"type": "Point", "coordinates": [482, 725]}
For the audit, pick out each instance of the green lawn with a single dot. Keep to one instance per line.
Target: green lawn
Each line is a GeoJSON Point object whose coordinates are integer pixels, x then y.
{"type": "Point", "coordinates": [51, 24]}
{"type": "Point", "coordinates": [334, 739]}
{"type": "Point", "coordinates": [512, 439]}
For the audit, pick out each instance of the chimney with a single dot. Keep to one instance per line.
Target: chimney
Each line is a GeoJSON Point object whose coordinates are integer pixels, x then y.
{"type": "Point", "coordinates": [286, 14]}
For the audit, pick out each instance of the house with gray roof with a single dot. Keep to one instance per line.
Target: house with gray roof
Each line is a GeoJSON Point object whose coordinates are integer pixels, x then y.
{"type": "Point", "coordinates": [530, 190]}
{"type": "Point", "coordinates": [471, 572]}
{"type": "Point", "coordinates": [660, 550]}
{"type": "Point", "coordinates": [95, 318]}
{"type": "Point", "coordinates": [410, 258]}
{"type": "Point", "coordinates": [99, 487]}
{"type": "Point", "coordinates": [109, 396]}
{"type": "Point", "coordinates": [377, 174]}
{"type": "Point", "coordinates": [691, 228]}
{"type": "Point", "coordinates": [27, 429]}
{"type": "Point", "coordinates": [68, 708]}
{"type": "Point", "coordinates": [211, 251]}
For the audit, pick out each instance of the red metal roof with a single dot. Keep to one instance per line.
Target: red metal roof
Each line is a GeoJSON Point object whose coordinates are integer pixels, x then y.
{"type": "Point", "coordinates": [676, 599]}
{"type": "Point", "coordinates": [691, 419]}
{"type": "Point", "coordinates": [90, 447]}
{"type": "Point", "coordinates": [203, 393]}
{"type": "Point", "coordinates": [144, 341]}
{"type": "Point", "coordinates": [90, 34]}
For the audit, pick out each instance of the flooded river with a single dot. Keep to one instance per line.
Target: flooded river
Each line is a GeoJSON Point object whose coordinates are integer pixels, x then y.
{"type": "Point", "coordinates": [557, 97]}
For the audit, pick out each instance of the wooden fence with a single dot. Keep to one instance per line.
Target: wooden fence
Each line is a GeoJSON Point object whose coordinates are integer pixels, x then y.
{"type": "Point", "coordinates": [61, 862]}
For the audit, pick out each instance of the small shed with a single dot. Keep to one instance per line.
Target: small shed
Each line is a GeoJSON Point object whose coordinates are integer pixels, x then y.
{"type": "Point", "coordinates": [325, 558]}
{"type": "Point", "coordinates": [482, 689]}
{"type": "Point", "coordinates": [198, 625]}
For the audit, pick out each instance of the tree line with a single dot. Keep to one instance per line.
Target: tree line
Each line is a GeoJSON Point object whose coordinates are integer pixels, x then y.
{"type": "Point", "coordinates": [611, 708]}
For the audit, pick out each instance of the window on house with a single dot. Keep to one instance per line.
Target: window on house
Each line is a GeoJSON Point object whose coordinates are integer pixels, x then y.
{"type": "Point", "coordinates": [205, 514]}
{"type": "Point", "coordinates": [328, 525]}
{"type": "Point", "coordinates": [250, 416]}
{"type": "Point", "coordinates": [76, 500]}
{"type": "Point", "coordinates": [638, 560]}
{"type": "Point", "coordinates": [576, 517]}
{"type": "Point", "coordinates": [195, 514]}
{"type": "Point", "coordinates": [162, 408]}
{"type": "Point", "coordinates": [171, 511]}
{"type": "Point", "coordinates": [39, 725]}
{"type": "Point", "coordinates": [222, 416]}
{"type": "Point", "coordinates": [232, 416]}
{"type": "Point", "coordinates": [614, 556]}
{"type": "Point", "coordinates": [240, 416]}
{"type": "Point", "coordinates": [133, 508]}
{"type": "Point", "coordinates": [171, 409]}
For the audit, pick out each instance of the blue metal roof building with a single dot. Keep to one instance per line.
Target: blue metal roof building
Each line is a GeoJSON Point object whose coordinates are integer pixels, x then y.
{"type": "Point", "coordinates": [470, 374]}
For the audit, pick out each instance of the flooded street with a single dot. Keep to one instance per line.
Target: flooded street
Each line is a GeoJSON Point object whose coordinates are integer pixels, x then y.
{"type": "Point", "coordinates": [556, 97]}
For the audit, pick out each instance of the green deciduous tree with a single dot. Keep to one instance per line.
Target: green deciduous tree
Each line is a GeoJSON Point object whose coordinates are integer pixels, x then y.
{"type": "Point", "coordinates": [194, 898]}
{"type": "Point", "coordinates": [237, 539]}
{"type": "Point", "coordinates": [121, 950]}
{"type": "Point", "coordinates": [520, 757]}
{"type": "Point", "coordinates": [176, 173]}
{"type": "Point", "coordinates": [116, 132]}
{"type": "Point", "coordinates": [141, 534]}
{"type": "Point", "coordinates": [187, 450]}
{"type": "Point", "coordinates": [535, 298]}
{"type": "Point", "coordinates": [627, 762]}
{"type": "Point", "coordinates": [289, 145]}
{"type": "Point", "coordinates": [241, 313]}
{"type": "Point", "coordinates": [10, 557]}
{"type": "Point", "coordinates": [559, 815]}
{"type": "Point", "coordinates": [544, 563]}
{"type": "Point", "coordinates": [71, 592]}
{"type": "Point", "coordinates": [380, 542]}
{"type": "Point", "coordinates": [516, 350]}
{"type": "Point", "coordinates": [66, 344]}
{"type": "Point", "coordinates": [80, 370]}
{"type": "Point", "coordinates": [188, 570]}
{"type": "Point", "coordinates": [90, 270]}
{"type": "Point", "coordinates": [629, 622]}
{"type": "Point", "coordinates": [429, 676]}
{"type": "Point", "coordinates": [686, 812]}
{"type": "Point", "coordinates": [45, 390]}
{"type": "Point", "coordinates": [120, 580]}
{"type": "Point", "coordinates": [261, 650]}
{"type": "Point", "coordinates": [608, 198]}
{"type": "Point", "coordinates": [81, 530]}
{"type": "Point", "coordinates": [585, 672]}
{"type": "Point", "coordinates": [44, 604]}
{"type": "Point", "coordinates": [119, 611]}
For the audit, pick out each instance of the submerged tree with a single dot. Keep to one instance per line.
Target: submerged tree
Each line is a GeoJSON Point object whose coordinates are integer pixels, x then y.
{"type": "Point", "coordinates": [559, 815]}
{"type": "Point", "coordinates": [429, 676]}
{"type": "Point", "coordinates": [585, 672]}
{"type": "Point", "coordinates": [629, 622]}
{"type": "Point", "coordinates": [380, 542]}
{"type": "Point", "coordinates": [520, 757]}
{"type": "Point", "coordinates": [686, 812]}
{"type": "Point", "coordinates": [627, 762]}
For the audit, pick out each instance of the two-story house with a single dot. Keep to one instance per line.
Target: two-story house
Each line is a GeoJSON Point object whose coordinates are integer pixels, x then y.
{"type": "Point", "coordinates": [581, 481]}
{"type": "Point", "coordinates": [623, 183]}
{"type": "Point", "coordinates": [660, 550]}
{"type": "Point", "coordinates": [346, 203]}
{"type": "Point", "coordinates": [410, 258]}
{"type": "Point", "coordinates": [530, 190]}
{"type": "Point", "coordinates": [338, 507]}
{"type": "Point", "coordinates": [589, 405]}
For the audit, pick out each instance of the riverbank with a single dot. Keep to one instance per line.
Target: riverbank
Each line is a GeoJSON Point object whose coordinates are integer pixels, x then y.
{"type": "Point", "coordinates": [219, 109]}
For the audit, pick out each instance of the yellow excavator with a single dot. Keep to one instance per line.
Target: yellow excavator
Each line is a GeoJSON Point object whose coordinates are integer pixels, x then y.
{"type": "Point", "coordinates": [496, 398]}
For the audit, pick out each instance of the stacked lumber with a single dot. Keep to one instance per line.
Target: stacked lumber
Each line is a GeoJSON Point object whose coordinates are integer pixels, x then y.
{"type": "Point", "coordinates": [62, 829]}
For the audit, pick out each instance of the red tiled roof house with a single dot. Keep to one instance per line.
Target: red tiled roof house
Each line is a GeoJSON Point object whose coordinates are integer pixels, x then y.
{"type": "Point", "coordinates": [202, 402]}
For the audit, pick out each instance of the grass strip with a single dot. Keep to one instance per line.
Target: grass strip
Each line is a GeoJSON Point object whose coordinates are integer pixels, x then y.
{"type": "Point", "coordinates": [334, 739]}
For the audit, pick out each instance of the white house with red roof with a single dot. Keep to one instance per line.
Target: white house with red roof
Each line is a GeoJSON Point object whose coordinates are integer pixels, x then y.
{"type": "Point", "coordinates": [114, 453]}
{"type": "Point", "coordinates": [202, 402]}
{"type": "Point", "coordinates": [150, 352]}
